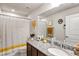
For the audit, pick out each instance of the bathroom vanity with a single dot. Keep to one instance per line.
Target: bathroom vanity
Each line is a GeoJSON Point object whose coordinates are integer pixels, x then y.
{"type": "Point", "coordinates": [32, 51]}
{"type": "Point", "coordinates": [38, 48]}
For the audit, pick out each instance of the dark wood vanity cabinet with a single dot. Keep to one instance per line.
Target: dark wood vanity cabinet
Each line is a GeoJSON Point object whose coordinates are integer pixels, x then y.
{"type": "Point", "coordinates": [41, 54]}
{"type": "Point", "coordinates": [32, 51]}
{"type": "Point", "coordinates": [28, 50]}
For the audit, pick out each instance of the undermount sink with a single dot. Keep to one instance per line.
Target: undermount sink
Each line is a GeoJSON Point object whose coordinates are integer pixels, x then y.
{"type": "Point", "coordinates": [57, 52]}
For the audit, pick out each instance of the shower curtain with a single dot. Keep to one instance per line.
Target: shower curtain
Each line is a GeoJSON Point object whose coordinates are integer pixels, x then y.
{"type": "Point", "coordinates": [14, 32]}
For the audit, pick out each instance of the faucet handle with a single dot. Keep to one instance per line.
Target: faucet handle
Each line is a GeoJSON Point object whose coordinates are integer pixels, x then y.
{"type": "Point", "coordinates": [65, 46]}
{"type": "Point", "coordinates": [57, 44]}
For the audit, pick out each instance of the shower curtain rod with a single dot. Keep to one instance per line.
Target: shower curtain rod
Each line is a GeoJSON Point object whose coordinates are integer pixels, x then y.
{"type": "Point", "coordinates": [16, 16]}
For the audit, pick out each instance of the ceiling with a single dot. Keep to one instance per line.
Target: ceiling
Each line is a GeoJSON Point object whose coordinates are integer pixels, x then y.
{"type": "Point", "coordinates": [23, 9]}
{"type": "Point", "coordinates": [59, 8]}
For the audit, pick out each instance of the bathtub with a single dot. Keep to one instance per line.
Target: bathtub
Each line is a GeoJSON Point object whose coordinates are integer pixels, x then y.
{"type": "Point", "coordinates": [12, 52]}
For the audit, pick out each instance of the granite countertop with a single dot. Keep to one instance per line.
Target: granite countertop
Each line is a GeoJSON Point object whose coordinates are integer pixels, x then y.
{"type": "Point", "coordinates": [43, 47]}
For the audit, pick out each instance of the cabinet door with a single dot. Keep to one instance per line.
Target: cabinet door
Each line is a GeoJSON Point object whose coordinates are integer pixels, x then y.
{"type": "Point", "coordinates": [34, 51]}
{"type": "Point", "coordinates": [28, 49]}
{"type": "Point", "coordinates": [41, 54]}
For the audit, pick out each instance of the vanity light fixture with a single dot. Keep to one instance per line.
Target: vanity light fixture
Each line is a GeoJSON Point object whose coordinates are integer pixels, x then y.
{"type": "Point", "coordinates": [34, 23]}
